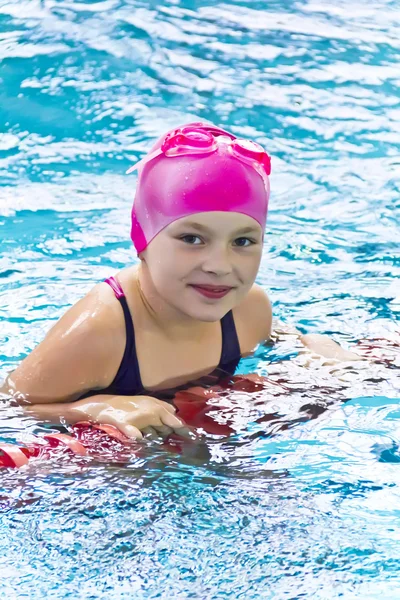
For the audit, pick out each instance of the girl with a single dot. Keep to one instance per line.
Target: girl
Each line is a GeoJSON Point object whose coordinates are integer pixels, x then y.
{"type": "Point", "coordinates": [190, 310]}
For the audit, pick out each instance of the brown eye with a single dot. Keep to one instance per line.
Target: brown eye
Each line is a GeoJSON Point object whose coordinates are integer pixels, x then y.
{"type": "Point", "coordinates": [244, 242]}
{"type": "Point", "coordinates": [191, 239]}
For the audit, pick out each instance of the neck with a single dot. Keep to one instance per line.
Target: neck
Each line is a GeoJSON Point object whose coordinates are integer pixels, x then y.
{"type": "Point", "coordinates": [173, 323]}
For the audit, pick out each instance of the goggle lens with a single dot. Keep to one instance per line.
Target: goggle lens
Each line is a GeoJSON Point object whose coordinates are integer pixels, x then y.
{"type": "Point", "coordinates": [198, 138]}
{"type": "Point", "coordinates": [252, 152]}
{"type": "Point", "coordinates": [187, 137]}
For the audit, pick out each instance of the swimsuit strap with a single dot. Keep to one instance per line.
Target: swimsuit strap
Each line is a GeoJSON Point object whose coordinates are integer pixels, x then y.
{"type": "Point", "coordinates": [116, 287]}
{"type": "Point", "coordinates": [128, 379]}
{"type": "Point", "coordinates": [129, 369]}
{"type": "Point", "coordinates": [230, 354]}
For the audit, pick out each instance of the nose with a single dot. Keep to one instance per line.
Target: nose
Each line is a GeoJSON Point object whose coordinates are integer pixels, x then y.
{"type": "Point", "coordinates": [218, 261]}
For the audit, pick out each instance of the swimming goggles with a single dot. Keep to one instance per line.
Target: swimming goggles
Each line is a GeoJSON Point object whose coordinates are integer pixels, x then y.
{"type": "Point", "coordinates": [200, 138]}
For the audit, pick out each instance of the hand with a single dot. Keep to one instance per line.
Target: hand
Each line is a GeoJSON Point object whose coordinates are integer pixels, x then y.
{"type": "Point", "coordinates": [133, 415]}
{"type": "Point", "coordinates": [323, 346]}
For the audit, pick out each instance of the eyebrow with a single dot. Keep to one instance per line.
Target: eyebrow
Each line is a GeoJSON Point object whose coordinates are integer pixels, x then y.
{"type": "Point", "coordinates": [205, 229]}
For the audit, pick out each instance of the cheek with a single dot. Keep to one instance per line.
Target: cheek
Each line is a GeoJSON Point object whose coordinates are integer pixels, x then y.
{"type": "Point", "coordinates": [165, 275]}
{"type": "Point", "coordinates": [249, 267]}
{"type": "Point", "coordinates": [168, 271]}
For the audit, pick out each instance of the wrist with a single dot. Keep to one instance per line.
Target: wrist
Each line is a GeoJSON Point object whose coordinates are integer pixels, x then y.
{"type": "Point", "coordinates": [55, 412]}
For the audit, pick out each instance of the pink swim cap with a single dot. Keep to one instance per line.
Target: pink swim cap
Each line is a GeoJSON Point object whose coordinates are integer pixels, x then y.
{"type": "Point", "coordinates": [198, 168]}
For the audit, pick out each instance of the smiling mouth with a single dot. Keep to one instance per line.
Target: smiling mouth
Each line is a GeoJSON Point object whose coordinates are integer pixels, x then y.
{"type": "Point", "coordinates": [212, 291]}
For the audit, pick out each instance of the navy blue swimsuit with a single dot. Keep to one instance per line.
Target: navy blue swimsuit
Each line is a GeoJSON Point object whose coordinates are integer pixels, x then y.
{"type": "Point", "coordinates": [128, 382]}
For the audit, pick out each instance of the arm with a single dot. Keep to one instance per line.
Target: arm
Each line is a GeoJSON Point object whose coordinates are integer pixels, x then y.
{"type": "Point", "coordinates": [80, 353]}
{"type": "Point", "coordinates": [130, 414]}
{"type": "Point", "coordinates": [314, 343]}
{"type": "Point", "coordinates": [254, 322]}
{"type": "Point", "coordinates": [324, 346]}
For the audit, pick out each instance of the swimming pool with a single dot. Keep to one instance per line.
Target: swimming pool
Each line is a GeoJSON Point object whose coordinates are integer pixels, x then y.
{"type": "Point", "coordinates": [312, 511]}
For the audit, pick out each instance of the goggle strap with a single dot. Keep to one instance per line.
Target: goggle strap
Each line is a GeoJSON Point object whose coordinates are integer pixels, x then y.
{"type": "Point", "coordinates": [145, 160]}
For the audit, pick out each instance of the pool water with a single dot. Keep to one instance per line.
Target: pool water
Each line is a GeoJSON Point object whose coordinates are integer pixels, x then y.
{"type": "Point", "coordinates": [305, 504]}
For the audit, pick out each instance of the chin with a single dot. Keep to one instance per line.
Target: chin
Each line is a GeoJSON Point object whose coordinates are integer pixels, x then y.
{"type": "Point", "coordinates": [209, 314]}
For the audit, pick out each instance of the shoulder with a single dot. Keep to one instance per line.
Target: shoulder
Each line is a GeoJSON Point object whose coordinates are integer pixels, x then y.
{"type": "Point", "coordinates": [253, 317]}
{"type": "Point", "coordinates": [96, 324]}
{"type": "Point", "coordinates": [82, 351]}
{"type": "Point", "coordinates": [97, 313]}
{"type": "Point", "coordinates": [97, 321]}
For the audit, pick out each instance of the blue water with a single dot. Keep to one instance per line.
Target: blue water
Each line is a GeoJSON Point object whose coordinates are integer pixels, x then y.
{"type": "Point", "coordinates": [313, 510]}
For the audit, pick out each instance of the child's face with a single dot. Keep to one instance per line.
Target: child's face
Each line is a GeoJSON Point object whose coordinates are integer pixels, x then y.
{"type": "Point", "coordinates": [205, 264]}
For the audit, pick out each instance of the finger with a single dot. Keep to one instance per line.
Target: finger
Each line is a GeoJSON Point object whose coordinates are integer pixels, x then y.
{"type": "Point", "coordinates": [129, 430]}
{"type": "Point", "coordinates": [177, 426]}
{"type": "Point", "coordinates": [163, 430]}
{"type": "Point", "coordinates": [185, 432]}
{"type": "Point", "coordinates": [150, 433]}
{"type": "Point", "coordinates": [169, 407]}
{"type": "Point", "coordinates": [171, 420]}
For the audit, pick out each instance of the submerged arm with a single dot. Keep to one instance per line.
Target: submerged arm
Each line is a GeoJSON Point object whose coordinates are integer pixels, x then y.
{"type": "Point", "coordinates": [326, 347]}
{"type": "Point", "coordinates": [254, 321]}
{"type": "Point", "coordinates": [315, 344]}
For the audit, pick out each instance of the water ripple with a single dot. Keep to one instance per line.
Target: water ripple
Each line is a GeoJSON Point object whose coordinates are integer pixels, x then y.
{"type": "Point", "coordinates": [302, 501]}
